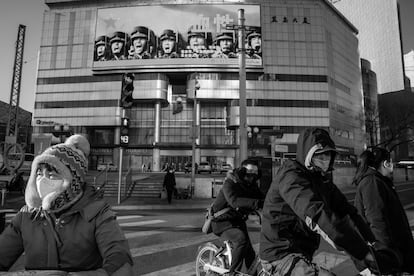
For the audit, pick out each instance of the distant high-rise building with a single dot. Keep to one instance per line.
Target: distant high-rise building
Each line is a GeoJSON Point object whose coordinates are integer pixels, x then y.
{"type": "Point", "coordinates": [379, 38]}
{"type": "Point", "coordinates": [409, 67]}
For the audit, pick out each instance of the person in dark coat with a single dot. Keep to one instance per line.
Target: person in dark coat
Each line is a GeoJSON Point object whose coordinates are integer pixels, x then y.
{"type": "Point", "coordinates": [63, 225]}
{"type": "Point", "coordinates": [379, 204]}
{"type": "Point", "coordinates": [302, 205]}
{"type": "Point", "coordinates": [241, 193]}
{"type": "Point", "coordinates": [169, 183]}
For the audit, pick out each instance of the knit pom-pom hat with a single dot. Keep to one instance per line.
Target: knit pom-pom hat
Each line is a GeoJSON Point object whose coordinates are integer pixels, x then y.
{"type": "Point", "coordinates": [70, 159]}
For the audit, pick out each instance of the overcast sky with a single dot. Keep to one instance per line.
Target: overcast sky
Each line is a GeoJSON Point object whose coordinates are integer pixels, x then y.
{"type": "Point", "coordinates": [30, 13]}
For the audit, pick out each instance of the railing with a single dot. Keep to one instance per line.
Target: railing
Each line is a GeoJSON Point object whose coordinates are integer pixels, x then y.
{"type": "Point", "coordinates": [100, 188]}
{"type": "Point", "coordinates": [128, 183]}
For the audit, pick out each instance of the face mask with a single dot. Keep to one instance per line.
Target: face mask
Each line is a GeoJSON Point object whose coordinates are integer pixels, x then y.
{"type": "Point", "coordinates": [46, 186]}
{"type": "Point", "coordinates": [321, 164]}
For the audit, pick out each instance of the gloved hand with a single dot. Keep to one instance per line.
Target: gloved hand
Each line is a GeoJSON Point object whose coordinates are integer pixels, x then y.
{"type": "Point", "coordinates": [383, 261]}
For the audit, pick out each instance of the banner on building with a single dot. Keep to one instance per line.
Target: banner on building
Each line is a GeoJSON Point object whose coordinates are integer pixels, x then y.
{"type": "Point", "coordinates": [175, 36]}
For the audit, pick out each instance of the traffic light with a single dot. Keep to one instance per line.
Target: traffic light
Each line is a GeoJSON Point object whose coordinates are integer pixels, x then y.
{"type": "Point", "coordinates": [124, 133]}
{"type": "Point", "coordinates": [127, 90]}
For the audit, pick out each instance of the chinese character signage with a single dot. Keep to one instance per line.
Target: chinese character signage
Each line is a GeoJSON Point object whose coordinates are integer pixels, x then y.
{"type": "Point", "coordinates": [175, 35]}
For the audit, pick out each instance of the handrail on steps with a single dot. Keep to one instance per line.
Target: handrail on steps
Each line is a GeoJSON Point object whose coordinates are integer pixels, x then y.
{"type": "Point", "coordinates": [128, 181]}
{"type": "Point", "coordinates": [96, 177]}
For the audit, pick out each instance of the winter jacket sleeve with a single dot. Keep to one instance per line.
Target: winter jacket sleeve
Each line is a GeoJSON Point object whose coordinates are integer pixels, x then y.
{"type": "Point", "coordinates": [373, 194]}
{"type": "Point", "coordinates": [342, 207]}
{"type": "Point", "coordinates": [235, 200]}
{"type": "Point", "coordinates": [297, 192]}
{"type": "Point", "coordinates": [11, 243]}
{"type": "Point", "coordinates": [111, 241]}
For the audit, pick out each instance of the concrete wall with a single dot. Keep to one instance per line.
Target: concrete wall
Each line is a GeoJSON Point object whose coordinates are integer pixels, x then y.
{"type": "Point", "coordinates": [342, 177]}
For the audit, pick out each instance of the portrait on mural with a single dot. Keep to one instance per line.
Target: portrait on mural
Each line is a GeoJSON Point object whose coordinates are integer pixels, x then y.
{"type": "Point", "coordinates": [186, 32]}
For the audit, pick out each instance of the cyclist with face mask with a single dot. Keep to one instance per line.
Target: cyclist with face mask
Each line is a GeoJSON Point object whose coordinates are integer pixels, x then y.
{"type": "Point", "coordinates": [379, 204]}
{"type": "Point", "coordinates": [302, 205]}
{"type": "Point", "coordinates": [241, 194]}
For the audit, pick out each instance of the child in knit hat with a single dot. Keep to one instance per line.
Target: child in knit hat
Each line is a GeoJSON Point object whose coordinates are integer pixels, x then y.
{"type": "Point", "coordinates": [64, 226]}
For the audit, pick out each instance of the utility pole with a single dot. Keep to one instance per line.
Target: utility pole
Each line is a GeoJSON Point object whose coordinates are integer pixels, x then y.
{"type": "Point", "coordinates": [241, 28]}
{"type": "Point", "coordinates": [194, 133]}
{"type": "Point", "coordinates": [12, 123]}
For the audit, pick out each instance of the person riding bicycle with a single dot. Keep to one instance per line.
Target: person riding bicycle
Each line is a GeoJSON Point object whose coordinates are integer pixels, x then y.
{"type": "Point", "coordinates": [63, 225]}
{"type": "Point", "coordinates": [241, 194]}
{"type": "Point", "coordinates": [301, 205]}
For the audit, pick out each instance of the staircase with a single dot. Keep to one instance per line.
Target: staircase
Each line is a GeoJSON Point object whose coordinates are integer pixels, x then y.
{"type": "Point", "coordinates": [137, 189]}
{"type": "Point", "coordinates": [144, 188]}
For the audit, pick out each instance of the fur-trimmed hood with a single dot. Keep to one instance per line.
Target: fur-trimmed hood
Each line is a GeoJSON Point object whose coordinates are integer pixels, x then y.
{"type": "Point", "coordinates": [311, 141]}
{"type": "Point", "coordinates": [70, 161]}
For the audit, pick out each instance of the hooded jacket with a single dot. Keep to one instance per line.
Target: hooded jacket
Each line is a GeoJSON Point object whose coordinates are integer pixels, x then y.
{"type": "Point", "coordinates": [241, 197]}
{"type": "Point", "coordinates": [302, 205]}
{"type": "Point", "coordinates": [69, 229]}
{"type": "Point", "coordinates": [380, 206]}
{"type": "Point", "coordinates": [85, 237]}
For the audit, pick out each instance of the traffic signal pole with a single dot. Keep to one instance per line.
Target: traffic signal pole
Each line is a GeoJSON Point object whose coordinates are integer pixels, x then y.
{"type": "Point", "coordinates": [121, 153]}
{"type": "Point", "coordinates": [241, 31]}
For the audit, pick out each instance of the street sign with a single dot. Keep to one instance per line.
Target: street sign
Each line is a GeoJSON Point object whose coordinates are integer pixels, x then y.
{"type": "Point", "coordinates": [13, 156]}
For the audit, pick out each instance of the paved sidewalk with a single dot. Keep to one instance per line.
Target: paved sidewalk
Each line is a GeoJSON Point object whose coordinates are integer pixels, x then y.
{"type": "Point", "coordinates": [158, 204]}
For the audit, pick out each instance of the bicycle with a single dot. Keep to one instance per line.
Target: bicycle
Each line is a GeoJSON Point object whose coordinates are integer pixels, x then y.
{"type": "Point", "coordinates": [212, 260]}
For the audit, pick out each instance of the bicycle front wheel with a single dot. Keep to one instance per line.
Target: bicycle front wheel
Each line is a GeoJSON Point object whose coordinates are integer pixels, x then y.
{"type": "Point", "coordinates": [206, 259]}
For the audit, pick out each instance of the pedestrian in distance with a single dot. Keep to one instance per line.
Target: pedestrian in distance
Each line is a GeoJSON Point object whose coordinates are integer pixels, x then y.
{"type": "Point", "coordinates": [377, 201]}
{"type": "Point", "coordinates": [241, 195]}
{"type": "Point", "coordinates": [169, 183]}
{"type": "Point", "coordinates": [302, 205]}
{"type": "Point", "coordinates": [64, 226]}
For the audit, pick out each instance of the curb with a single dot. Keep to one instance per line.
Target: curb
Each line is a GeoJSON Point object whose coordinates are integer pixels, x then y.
{"type": "Point", "coordinates": [158, 207]}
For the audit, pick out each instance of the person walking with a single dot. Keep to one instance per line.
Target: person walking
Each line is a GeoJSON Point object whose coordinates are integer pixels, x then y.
{"type": "Point", "coordinates": [377, 201]}
{"type": "Point", "coordinates": [169, 184]}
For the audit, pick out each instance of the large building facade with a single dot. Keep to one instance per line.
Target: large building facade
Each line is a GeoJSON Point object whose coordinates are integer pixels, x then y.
{"type": "Point", "coordinates": [302, 70]}
{"type": "Point", "coordinates": [379, 38]}
{"type": "Point", "coordinates": [409, 68]}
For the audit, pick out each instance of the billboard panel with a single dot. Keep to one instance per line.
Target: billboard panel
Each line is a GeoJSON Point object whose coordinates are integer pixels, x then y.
{"type": "Point", "coordinates": [171, 36]}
